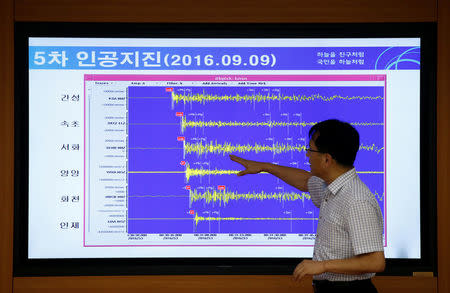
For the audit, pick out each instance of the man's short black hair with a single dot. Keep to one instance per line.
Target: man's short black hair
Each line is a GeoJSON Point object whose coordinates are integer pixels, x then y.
{"type": "Point", "coordinates": [337, 138]}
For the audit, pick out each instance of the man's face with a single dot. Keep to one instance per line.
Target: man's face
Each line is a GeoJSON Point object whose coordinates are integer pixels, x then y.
{"type": "Point", "coordinates": [315, 158]}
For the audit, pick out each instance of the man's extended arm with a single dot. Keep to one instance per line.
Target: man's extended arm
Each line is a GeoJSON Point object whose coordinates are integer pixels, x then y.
{"type": "Point", "coordinates": [372, 262]}
{"type": "Point", "coordinates": [292, 176]}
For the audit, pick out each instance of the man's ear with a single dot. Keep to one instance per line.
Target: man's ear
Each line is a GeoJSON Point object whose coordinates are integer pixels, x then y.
{"type": "Point", "coordinates": [328, 159]}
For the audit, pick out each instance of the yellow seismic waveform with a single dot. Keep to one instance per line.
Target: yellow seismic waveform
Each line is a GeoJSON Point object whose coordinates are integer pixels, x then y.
{"type": "Point", "coordinates": [380, 197]}
{"type": "Point", "coordinates": [366, 124]}
{"type": "Point", "coordinates": [204, 172]}
{"type": "Point", "coordinates": [227, 148]}
{"type": "Point", "coordinates": [185, 124]}
{"type": "Point", "coordinates": [198, 218]}
{"type": "Point", "coordinates": [203, 98]}
{"type": "Point", "coordinates": [225, 197]}
{"type": "Point", "coordinates": [372, 147]}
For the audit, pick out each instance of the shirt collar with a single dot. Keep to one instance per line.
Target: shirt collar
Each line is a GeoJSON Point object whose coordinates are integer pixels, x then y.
{"type": "Point", "coordinates": [341, 180]}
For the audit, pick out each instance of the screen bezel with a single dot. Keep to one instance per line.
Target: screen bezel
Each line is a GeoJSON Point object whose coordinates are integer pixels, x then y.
{"type": "Point", "coordinates": [23, 266]}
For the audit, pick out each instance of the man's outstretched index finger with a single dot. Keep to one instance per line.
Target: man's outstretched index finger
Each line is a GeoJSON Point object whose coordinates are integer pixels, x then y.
{"type": "Point", "coordinates": [237, 159]}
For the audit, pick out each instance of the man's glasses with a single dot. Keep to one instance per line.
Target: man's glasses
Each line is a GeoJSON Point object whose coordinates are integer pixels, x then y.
{"type": "Point", "coordinates": [314, 151]}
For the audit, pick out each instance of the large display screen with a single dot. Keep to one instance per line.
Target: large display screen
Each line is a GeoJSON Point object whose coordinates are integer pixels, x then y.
{"type": "Point", "coordinates": [129, 142]}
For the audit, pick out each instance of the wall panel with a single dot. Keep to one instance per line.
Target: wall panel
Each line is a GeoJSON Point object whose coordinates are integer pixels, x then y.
{"type": "Point", "coordinates": [226, 11]}
{"type": "Point", "coordinates": [6, 145]}
{"type": "Point", "coordinates": [207, 11]}
{"type": "Point", "coordinates": [195, 284]}
{"type": "Point", "coordinates": [443, 145]}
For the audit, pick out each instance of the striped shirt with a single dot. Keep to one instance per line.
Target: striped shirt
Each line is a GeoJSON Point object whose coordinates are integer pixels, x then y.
{"type": "Point", "coordinates": [350, 222]}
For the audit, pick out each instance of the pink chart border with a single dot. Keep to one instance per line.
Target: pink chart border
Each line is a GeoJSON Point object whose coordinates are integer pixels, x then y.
{"type": "Point", "coordinates": [133, 77]}
{"type": "Point", "coordinates": [219, 78]}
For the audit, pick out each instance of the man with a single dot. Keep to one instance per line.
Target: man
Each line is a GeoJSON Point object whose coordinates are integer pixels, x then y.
{"type": "Point", "coordinates": [348, 250]}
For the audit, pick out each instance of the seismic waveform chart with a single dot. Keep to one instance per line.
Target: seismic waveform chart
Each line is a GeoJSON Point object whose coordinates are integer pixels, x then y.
{"type": "Point", "coordinates": [180, 179]}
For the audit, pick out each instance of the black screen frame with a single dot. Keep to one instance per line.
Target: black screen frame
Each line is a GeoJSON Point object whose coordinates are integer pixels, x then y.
{"type": "Point", "coordinates": [213, 266]}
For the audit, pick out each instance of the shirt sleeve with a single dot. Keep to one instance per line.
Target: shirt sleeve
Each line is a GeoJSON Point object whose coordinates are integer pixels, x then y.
{"type": "Point", "coordinates": [316, 188]}
{"type": "Point", "coordinates": [365, 224]}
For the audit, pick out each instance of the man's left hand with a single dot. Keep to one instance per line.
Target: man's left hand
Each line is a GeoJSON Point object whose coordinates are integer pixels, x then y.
{"type": "Point", "coordinates": [308, 267]}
